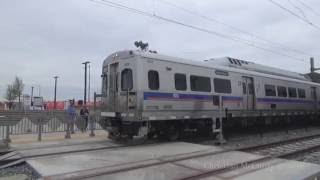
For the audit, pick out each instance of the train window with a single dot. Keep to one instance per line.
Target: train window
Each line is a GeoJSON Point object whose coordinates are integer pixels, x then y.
{"type": "Point", "coordinates": [292, 92]}
{"type": "Point", "coordinates": [105, 84]}
{"type": "Point", "coordinates": [282, 91]}
{"type": "Point", "coordinates": [200, 83]}
{"type": "Point", "coordinates": [126, 80]}
{"type": "Point", "coordinates": [153, 80]}
{"type": "Point", "coordinates": [180, 81]}
{"type": "Point", "coordinates": [302, 93]}
{"type": "Point", "coordinates": [222, 85]}
{"type": "Point", "coordinates": [250, 88]}
{"type": "Point", "coordinates": [244, 88]}
{"type": "Point", "coordinates": [222, 73]}
{"type": "Point", "coordinates": [117, 79]}
{"type": "Point", "coordinates": [270, 90]}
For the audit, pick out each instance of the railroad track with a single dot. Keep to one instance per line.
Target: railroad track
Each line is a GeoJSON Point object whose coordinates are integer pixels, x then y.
{"type": "Point", "coordinates": [281, 149]}
{"type": "Point", "coordinates": [286, 148]}
{"type": "Point", "coordinates": [11, 158]}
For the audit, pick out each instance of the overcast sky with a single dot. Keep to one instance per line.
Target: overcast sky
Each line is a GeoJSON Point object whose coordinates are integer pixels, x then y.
{"type": "Point", "coordinates": [43, 38]}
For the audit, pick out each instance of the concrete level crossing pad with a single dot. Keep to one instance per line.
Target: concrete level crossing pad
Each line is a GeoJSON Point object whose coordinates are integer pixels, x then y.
{"type": "Point", "coordinates": [164, 161]}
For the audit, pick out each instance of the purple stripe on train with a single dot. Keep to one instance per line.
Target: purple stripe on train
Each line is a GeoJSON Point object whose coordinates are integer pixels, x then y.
{"type": "Point", "coordinates": [276, 100]}
{"type": "Point", "coordinates": [199, 97]}
{"type": "Point", "coordinates": [186, 97]}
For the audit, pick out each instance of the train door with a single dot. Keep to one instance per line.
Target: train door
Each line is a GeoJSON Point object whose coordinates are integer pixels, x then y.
{"type": "Point", "coordinates": [248, 93]}
{"type": "Point", "coordinates": [127, 95]}
{"type": "Point", "coordinates": [113, 87]}
{"type": "Point", "coordinates": [314, 97]}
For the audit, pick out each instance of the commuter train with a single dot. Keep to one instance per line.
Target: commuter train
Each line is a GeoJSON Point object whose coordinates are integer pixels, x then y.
{"type": "Point", "coordinates": [148, 94]}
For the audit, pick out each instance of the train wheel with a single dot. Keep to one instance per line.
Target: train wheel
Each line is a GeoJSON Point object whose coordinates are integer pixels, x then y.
{"type": "Point", "coordinates": [114, 136]}
{"type": "Point", "coordinates": [151, 135]}
{"type": "Point", "coordinates": [173, 133]}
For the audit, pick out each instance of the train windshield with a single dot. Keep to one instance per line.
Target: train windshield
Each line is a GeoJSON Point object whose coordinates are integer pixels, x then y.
{"type": "Point", "coordinates": [104, 84]}
{"type": "Point", "coordinates": [126, 80]}
{"type": "Point", "coordinates": [104, 77]}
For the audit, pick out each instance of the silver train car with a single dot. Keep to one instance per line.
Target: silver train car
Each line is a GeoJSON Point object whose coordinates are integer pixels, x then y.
{"type": "Point", "coordinates": [148, 94]}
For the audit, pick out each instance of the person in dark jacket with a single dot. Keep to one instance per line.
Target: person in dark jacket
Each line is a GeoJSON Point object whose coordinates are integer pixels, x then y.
{"type": "Point", "coordinates": [84, 113]}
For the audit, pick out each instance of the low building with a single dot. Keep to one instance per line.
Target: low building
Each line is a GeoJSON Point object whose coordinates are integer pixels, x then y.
{"type": "Point", "coordinates": [60, 105]}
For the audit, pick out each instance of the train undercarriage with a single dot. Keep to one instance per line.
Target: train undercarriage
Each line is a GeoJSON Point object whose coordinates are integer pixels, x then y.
{"type": "Point", "coordinates": [174, 129]}
{"type": "Point", "coordinates": [168, 130]}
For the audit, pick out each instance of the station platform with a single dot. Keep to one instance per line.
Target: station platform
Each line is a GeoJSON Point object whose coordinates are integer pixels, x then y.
{"type": "Point", "coordinates": [169, 161]}
{"type": "Point", "coordinates": [58, 138]}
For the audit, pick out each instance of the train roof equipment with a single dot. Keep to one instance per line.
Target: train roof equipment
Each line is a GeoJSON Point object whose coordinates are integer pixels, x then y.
{"type": "Point", "coordinates": [224, 64]}
{"type": "Point", "coordinates": [251, 66]}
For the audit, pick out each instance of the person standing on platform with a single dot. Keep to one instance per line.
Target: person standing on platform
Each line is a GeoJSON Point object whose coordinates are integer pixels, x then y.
{"type": "Point", "coordinates": [71, 117]}
{"type": "Point", "coordinates": [84, 113]}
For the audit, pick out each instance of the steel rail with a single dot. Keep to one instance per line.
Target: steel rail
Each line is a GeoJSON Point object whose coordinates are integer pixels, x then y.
{"type": "Point", "coordinates": [89, 173]}
{"type": "Point", "coordinates": [86, 150]}
{"type": "Point", "coordinates": [248, 163]}
{"type": "Point", "coordinates": [263, 159]}
{"type": "Point", "coordinates": [103, 171]}
{"type": "Point", "coordinates": [278, 143]}
{"type": "Point", "coordinates": [18, 156]}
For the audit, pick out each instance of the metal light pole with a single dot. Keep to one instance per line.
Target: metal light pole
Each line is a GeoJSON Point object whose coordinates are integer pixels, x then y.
{"type": "Point", "coordinates": [85, 82]}
{"type": "Point", "coordinates": [55, 92]}
{"type": "Point", "coordinates": [312, 67]}
{"type": "Point", "coordinates": [39, 90]}
{"type": "Point", "coordinates": [89, 84]}
{"type": "Point", "coordinates": [32, 96]}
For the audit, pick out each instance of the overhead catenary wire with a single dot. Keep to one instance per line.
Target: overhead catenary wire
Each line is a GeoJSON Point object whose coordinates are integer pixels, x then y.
{"type": "Point", "coordinates": [194, 13]}
{"type": "Point", "coordinates": [299, 9]}
{"type": "Point", "coordinates": [294, 14]}
{"type": "Point", "coordinates": [227, 37]}
{"type": "Point", "coordinates": [211, 32]}
{"type": "Point", "coordinates": [308, 7]}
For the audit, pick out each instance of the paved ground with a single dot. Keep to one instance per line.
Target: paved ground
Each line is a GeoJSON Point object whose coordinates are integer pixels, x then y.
{"type": "Point", "coordinates": [50, 141]}
{"type": "Point", "coordinates": [58, 165]}
{"type": "Point", "coordinates": [121, 162]}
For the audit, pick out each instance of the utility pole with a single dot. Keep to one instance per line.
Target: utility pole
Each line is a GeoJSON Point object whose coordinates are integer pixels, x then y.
{"type": "Point", "coordinates": [85, 82]}
{"type": "Point", "coordinates": [39, 90]}
{"type": "Point", "coordinates": [312, 67]}
{"type": "Point", "coordinates": [89, 84]}
{"type": "Point", "coordinates": [55, 92]}
{"type": "Point", "coordinates": [32, 96]}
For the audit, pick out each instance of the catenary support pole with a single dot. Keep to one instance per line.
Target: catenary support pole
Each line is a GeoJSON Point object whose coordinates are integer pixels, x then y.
{"type": "Point", "coordinates": [55, 92]}
{"type": "Point", "coordinates": [85, 82]}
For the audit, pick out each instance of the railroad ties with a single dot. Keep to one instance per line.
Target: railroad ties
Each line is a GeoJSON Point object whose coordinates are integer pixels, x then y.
{"type": "Point", "coordinates": [288, 148]}
{"type": "Point", "coordinates": [9, 158]}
